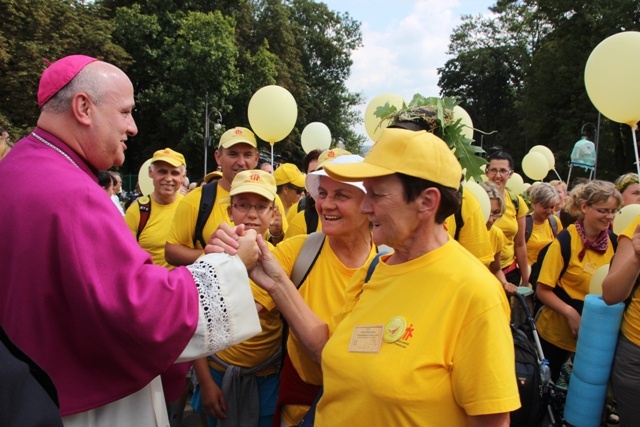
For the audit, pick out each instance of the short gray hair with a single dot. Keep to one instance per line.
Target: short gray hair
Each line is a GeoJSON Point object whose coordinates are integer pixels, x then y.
{"type": "Point", "coordinates": [84, 81]}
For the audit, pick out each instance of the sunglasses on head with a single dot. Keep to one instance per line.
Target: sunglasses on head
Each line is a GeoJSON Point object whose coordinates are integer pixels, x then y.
{"type": "Point", "coordinates": [298, 190]}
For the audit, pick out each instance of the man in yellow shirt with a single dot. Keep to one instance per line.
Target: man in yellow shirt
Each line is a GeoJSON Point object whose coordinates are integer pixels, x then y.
{"type": "Point", "coordinates": [150, 217]}
{"type": "Point", "coordinates": [237, 152]}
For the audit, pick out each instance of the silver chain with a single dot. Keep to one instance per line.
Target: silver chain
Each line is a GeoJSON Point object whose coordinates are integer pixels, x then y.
{"type": "Point", "coordinates": [50, 145]}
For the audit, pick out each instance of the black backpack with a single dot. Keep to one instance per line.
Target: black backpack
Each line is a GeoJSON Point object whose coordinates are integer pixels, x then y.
{"type": "Point", "coordinates": [533, 400]}
{"type": "Point", "coordinates": [207, 201]}
{"type": "Point", "coordinates": [565, 249]}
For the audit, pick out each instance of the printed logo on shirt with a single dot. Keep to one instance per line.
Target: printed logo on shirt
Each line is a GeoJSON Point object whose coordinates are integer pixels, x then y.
{"type": "Point", "coordinates": [397, 332]}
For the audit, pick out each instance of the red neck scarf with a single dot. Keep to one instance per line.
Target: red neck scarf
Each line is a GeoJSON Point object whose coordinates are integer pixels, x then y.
{"type": "Point", "coordinates": [600, 245]}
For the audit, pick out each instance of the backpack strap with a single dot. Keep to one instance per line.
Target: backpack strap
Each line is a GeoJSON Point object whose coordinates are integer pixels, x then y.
{"type": "Point", "coordinates": [307, 257]}
{"type": "Point", "coordinates": [372, 266]}
{"type": "Point", "coordinates": [457, 216]}
{"type": "Point", "coordinates": [565, 249]}
{"type": "Point", "coordinates": [554, 225]}
{"type": "Point", "coordinates": [207, 201]}
{"type": "Point", "coordinates": [144, 203]}
{"type": "Point", "coordinates": [528, 227]}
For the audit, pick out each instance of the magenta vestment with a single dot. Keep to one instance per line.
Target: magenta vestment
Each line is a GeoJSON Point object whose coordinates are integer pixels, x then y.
{"type": "Point", "coordinates": [77, 293]}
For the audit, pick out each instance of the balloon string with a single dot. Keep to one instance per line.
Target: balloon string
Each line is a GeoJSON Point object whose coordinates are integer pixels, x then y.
{"type": "Point", "coordinates": [557, 174]}
{"type": "Point", "coordinates": [273, 167]}
{"type": "Point", "coordinates": [635, 148]}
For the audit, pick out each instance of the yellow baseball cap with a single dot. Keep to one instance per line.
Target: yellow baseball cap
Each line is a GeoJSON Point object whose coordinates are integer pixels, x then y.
{"type": "Point", "coordinates": [237, 135]}
{"type": "Point", "coordinates": [419, 154]}
{"type": "Point", "coordinates": [289, 173]}
{"type": "Point", "coordinates": [168, 155]}
{"type": "Point", "coordinates": [254, 181]}
{"type": "Point", "coordinates": [330, 155]}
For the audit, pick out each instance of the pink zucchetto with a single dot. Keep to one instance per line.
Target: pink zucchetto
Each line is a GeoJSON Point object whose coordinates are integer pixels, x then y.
{"type": "Point", "coordinates": [59, 74]}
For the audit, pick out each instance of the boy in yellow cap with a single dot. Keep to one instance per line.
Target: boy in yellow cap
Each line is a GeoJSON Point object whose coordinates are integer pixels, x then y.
{"type": "Point", "coordinates": [220, 394]}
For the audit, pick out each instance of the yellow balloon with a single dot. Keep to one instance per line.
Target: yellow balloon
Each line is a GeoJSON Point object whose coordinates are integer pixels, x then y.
{"type": "Point", "coordinates": [480, 194]}
{"type": "Point", "coordinates": [516, 183]}
{"type": "Point", "coordinates": [535, 165]}
{"type": "Point", "coordinates": [611, 77]}
{"type": "Point", "coordinates": [465, 121]}
{"type": "Point", "coordinates": [144, 180]}
{"type": "Point", "coordinates": [525, 186]}
{"type": "Point", "coordinates": [547, 153]}
{"type": "Point", "coordinates": [372, 124]}
{"type": "Point", "coordinates": [623, 218]}
{"type": "Point", "coordinates": [315, 136]}
{"type": "Point", "coordinates": [272, 113]}
{"type": "Point", "coordinates": [595, 285]}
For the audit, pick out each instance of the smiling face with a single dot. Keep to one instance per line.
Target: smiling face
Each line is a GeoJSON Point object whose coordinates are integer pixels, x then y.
{"type": "Point", "coordinates": [237, 158]}
{"type": "Point", "coordinates": [598, 217]}
{"type": "Point", "coordinates": [109, 111]}
{"type": "Point", "coordinates": [499, 171]}
{"type": "Point", "coordinates": [253, 210]}
{"type": "Point", "coordinates": [338, 206]}
{"type": "Point", "coordinates": [167, 179]}
{"type": "Point", "coordinates": [394, 219]}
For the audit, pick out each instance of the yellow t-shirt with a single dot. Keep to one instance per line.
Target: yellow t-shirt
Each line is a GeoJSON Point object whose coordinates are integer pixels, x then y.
{"type": "Point", "coordinates": [260, 348]}
{"type": "Point", "coordinates": [473, 236]}
{"type": "Point", "coordinates": [323, 291]}
{"type": "Point", "coordinates": [154, 235]}
{"type": "Point", "coordinates": [293, 210]}
{"type": "Point", "coordinates": [631, 319]}
{"type": "Point", "coordinates": [298, 225]}
{"type": "Point", "coordinates": [497, 239]}
{"type": "Point", "coordinates": [541, 236]}
{"type": "Point", "coordinates": [508, 223]}
{"type": "Point", "coordinates": [184, 222]}
{"type": "Point", "coordinates": [454, 356]}
{"type": "Point", "coordinates": [552, 326]}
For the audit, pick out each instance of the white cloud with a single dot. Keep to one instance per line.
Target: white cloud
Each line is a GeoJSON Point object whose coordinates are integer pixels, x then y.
{"type": "Point", "coordinates": [404, 43]}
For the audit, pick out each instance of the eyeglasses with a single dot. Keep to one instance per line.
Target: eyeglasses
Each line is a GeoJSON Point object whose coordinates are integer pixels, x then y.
{"type": "Point", "coordinates": [495, 215]}
{"type": "Point", "coordinates": [298, 190]}
{"type": "Point", "coordinates": [603, 211]}
{"type": "Point", "coordinates": [503, 172]}
{"type": "Point", "coordinates": [246, 207]}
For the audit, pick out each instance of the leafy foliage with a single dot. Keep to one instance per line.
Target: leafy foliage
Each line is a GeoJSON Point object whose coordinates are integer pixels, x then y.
{"type": "Point", "coordinates": [520, 72]}
{"type": "Point", "coordinates": [436, 115]}
{"type": "Point", "coordinates": [178, 53]}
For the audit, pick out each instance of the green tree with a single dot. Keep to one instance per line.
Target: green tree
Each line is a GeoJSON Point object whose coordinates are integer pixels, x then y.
{"type": "Point", "coordinates": [22, 51]}
{"type": "Point", "coordinates": [521, 72]}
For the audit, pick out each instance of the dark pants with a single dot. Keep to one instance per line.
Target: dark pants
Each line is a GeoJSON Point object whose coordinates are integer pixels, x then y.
{"type": "Point", "coordinates": [556, 356]}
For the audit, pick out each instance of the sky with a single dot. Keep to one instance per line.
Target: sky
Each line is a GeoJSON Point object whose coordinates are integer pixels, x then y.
{"type": "Point", "coordinates": [404, 43]}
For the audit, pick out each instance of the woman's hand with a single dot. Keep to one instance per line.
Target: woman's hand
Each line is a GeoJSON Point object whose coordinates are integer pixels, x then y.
{"type": "Point", "coordinates": [573, 318]}
{"type": "Point", "coordinates": [225, 239]}
{"type": "Point", "coordinates": [267, 271]}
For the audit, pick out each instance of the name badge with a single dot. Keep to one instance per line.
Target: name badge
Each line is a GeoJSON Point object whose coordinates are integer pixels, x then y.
{"type": "Point", "coordinates": [366, 339]}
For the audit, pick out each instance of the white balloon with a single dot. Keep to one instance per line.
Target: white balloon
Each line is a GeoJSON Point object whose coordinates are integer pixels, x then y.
{"type": "Point", "coordinates": [144, 180]}
{"type": "Point", "coordinates": [595, 285]}
{"type": "Point", "coordinates": [314, 136]}
{"type": "Point", "coordinates": [623, 218]}
{"type": "Point", "coordinates": [482, 196]}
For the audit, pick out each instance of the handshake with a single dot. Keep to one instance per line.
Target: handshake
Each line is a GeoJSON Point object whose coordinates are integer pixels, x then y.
{"type": "Point", "coordinates": [252, 249]}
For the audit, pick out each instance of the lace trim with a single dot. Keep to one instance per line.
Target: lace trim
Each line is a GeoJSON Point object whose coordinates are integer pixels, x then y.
{"type": "Point", "coordinates": [216, 313]}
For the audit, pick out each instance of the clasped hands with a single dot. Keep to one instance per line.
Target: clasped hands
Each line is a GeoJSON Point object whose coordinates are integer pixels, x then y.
{"type": "Point", "coordinates": [252, 249]}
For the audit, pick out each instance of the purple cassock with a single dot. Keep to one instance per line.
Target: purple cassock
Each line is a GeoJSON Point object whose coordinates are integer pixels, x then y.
{"type": "Point", "coordinates": [77, 293]}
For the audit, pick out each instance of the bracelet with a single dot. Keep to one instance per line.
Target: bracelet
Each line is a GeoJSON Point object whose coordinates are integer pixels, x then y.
{"type": "Point", "coordinates": [278, 237]}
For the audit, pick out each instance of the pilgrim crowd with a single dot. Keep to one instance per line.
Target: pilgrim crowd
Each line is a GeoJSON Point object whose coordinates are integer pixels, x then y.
{"type": "Point", "coordinates": [348, 291]}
